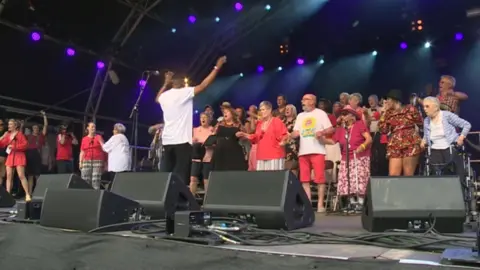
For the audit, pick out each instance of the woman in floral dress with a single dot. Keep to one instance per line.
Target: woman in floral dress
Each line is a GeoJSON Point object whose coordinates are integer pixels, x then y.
{"type": "Point", "coordinates": [401, 124]}
{"type": "Point", "coordinates": [358, 169]}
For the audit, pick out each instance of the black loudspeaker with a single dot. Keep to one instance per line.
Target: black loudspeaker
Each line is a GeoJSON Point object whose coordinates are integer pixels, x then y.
{"type": "Point", "coordinates": [6, 199]}
{"type": "Point", "coordinates": [58, 181]}
{"type": "Point", "coordinates": [414, 203]}
{"type": "Point", "coordinates": [275, 199]}
{"type": "Point", "coordinates": [159, 194]}
{"type": "Point", "coordinates": [85, 210]}
{"type": "Point", "coordinates": [46, 182]}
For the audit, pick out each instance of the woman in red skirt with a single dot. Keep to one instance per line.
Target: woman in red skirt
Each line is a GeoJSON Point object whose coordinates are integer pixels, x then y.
{"type": "Point", "coordinates": [16, 144]}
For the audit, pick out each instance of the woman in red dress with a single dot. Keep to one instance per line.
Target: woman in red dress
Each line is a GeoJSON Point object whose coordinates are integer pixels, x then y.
{"type": "Point", "coordinates": [401, 122]}
{"type": "Point", "coordinates": [270, 137]}
{"type": "Point", "coordinates": [16, 144]}
{"type": "Point", "coordinates": [92, 158]}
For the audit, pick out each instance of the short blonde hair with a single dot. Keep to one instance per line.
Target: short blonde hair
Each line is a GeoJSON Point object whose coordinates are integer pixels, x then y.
{"type": "Point", "coordinates": [344, 94]}
{"type": "Point", "coordinates": [452, 79]}
{"type": "Point", "coordinates": [293, 108]}
{"type": "Point", "coordinates": [120, 128]}
{"type": "Point", "coordinates": [357, 96]}
{"type": "Point", "coordinates": [432, 100]}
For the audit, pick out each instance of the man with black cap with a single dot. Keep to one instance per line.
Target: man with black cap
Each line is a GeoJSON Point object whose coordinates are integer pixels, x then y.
{"type": "Point", "coordinates": [177, 106]}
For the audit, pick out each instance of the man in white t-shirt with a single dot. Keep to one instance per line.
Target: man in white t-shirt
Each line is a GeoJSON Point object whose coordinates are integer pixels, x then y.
{"type": "Point", "coordinates": [177, 107]}
{"type": "Point", "coordinates": [310, 126]}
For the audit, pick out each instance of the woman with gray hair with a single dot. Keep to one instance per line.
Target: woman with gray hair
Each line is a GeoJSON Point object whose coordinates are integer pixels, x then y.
{"type": "Point", "coordinates": [270, 136]}
{"type": "Point", "coordinates": [440, 132]}
{"type": "Point", "coordinates": [291, 146]}
{"type": "Point", "coordinates": [118, 150]}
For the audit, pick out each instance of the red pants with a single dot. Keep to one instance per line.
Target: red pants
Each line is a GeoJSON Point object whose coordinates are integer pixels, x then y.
{"type": "Point", "coordinates": [307, 163]}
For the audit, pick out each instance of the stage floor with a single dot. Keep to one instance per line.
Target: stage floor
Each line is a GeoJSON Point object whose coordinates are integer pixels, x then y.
{"type": "Point", "coordinates": [334, 224]}
{"type": "Point", "coordinates": [343, 225]}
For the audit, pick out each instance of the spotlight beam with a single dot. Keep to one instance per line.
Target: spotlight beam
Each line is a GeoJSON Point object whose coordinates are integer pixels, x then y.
{"type": "Point", "coordinates": [209, 48]}
{"type": "Point", "coordinates": [228, 41]}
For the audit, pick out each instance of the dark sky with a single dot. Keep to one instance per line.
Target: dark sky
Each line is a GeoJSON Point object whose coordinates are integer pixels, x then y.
{"type": "Point", "coordinates": [41, 72]}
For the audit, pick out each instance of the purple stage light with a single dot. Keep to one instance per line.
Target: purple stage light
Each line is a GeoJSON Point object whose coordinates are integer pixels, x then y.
{"type": "Point", "coordinates": [192, 19]}
{"type": "Point", "coordinates": [100, 65]}
{"type": "Point", "coordinates": [142, 83]}
{"type": "Point", "coordinates": [70, 52]}
{"type": "Point", "coordinates": [260, 69]}
{"type": "Point", "coordinates": [300, 61]}
{"type": "Point", "coordinates": [35, 36]}
{"type": "Point", "coordinates": [238, 6]}
{"type": "Point", "coordinates": [403, 45]}
{"type": "Point", "coordinates": [458, 36]}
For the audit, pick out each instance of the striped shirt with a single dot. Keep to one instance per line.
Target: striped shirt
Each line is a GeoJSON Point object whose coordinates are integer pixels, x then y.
{"type": "Point", "coordinates": [450, 122]}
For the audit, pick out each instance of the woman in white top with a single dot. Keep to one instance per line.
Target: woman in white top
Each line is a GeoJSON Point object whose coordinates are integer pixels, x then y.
{"type": "Point", "coordinates": [118, 150]}
{"type": "Point", "coordinates": [440, 133]}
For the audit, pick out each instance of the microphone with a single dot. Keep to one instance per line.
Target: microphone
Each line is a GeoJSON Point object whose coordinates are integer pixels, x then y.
{"type": "Point", "coordinates": [153, 72]}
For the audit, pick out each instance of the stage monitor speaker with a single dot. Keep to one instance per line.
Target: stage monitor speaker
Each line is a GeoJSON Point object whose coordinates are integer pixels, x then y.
{"type": "Point", "coordinates": [159, 194]}
{"type": "Point", "coordinates": [6, 199]}
{"type": "Point", "coordinates": [275, 199]}
{"type": "Point", "coordinates": [58, 181]}
{"type": "Point", "coordinates": [85, 210]}
{"type": "Point", "coordinates": [415, 204]}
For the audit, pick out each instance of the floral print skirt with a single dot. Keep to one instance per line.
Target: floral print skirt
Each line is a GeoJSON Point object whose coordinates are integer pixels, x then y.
{"type": "Point", "coordinates": [359, 176]}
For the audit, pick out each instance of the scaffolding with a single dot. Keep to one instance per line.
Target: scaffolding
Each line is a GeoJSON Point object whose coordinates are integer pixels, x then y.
{"type": "Point", "coordinates": [139, 9]}
{"type": "Point", "coordinates": [137, 12]}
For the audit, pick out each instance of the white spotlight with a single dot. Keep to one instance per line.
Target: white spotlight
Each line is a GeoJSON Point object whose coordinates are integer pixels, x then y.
{"type": "Point", "coordinates": [427, 44]}
{"type": "Point", "coordinates": [374, 53]}
{"type": "Point", "coordinates": [279, 68]}
{"type": "Point", "coordinates": [241, 74]}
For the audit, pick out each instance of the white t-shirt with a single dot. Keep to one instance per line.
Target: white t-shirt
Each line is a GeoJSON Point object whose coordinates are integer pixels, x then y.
{"type": "Point", "coordinates": [437, 135]}
{"type": "Point", "coordinates": [118, 149]}
{"type": "Point", "coordinates": [307, 124]}
{"type": "Point", "coordinates": [177, 106]}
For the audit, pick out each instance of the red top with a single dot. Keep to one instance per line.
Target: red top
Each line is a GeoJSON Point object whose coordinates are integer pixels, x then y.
{"type": "Point", "coordinates": [92, 149]}
{"type": "Point", "coordinates": [64, 151]}
{"type": "Point", "coordinates": [268, 141]}
{"type": "Point", "coordinates": [35, 141]}
{"type": "Point", "coordinates": [333, 120]}
{"type": "Point", "coordinates": [356, 139]}
{"type": "Point", "coordinates": [17, 154]}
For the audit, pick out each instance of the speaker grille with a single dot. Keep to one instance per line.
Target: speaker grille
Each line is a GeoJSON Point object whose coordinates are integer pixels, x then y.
{"type": "Point", "coordinates": [265, 191]}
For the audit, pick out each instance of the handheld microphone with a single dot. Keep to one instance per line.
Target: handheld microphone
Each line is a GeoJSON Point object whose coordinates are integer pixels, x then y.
{"type": "Point", "coordinates": [153, 72]}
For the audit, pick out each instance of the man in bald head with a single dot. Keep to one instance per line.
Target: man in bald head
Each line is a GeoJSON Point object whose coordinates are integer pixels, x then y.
{"type": "Point", "coordinates": [310, 126]}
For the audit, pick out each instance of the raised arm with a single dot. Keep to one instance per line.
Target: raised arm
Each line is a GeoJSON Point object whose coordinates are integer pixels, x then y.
{"type": "Point", "coordinates": [166, 83]}
{"type": "Point", "coordinates": [45, 123]}
{"type": "Point", "coordinates": [211, 77]}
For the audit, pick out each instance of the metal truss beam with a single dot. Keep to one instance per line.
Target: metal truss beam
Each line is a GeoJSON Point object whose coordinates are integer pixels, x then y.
{"type": "Point", "coordinates": [3, 3]}
{"type": "Point", "coordinates": [55, 108]}
{"type": "Point", "coordinates": [139, 10]}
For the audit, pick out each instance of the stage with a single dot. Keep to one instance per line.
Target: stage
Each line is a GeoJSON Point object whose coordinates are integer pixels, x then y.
{"type": "Point", "coordinates": [30, 246]}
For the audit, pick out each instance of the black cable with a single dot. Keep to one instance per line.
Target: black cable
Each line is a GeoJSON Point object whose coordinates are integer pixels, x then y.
{"type": "Point", "coordinates": [132, 225]}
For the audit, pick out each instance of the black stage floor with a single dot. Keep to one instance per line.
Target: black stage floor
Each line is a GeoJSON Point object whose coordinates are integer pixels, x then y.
{"type": "Point", "coordinates": [29, 246]}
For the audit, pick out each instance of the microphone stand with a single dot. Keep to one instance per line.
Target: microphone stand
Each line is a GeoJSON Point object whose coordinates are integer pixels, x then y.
{"type": "Point", "coordinates": [347, 164]}
{"type": "Point", "coordinates": [91, 160]}
{"type": "Point", "coordinates": [134, 117]}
